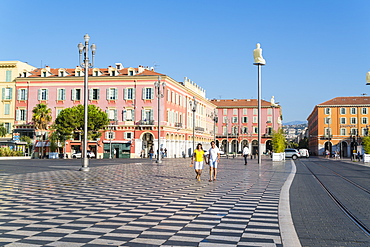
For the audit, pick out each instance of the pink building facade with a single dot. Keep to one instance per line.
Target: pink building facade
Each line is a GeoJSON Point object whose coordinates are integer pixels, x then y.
{"type": "Point", "coordinates": [129, 97]}
{"type": "Point", "coordinates": [237, 124]}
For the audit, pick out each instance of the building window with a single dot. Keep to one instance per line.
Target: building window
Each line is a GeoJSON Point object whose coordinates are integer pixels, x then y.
{"type": "Point", "coordinates": [76, 94]}
{"type": "Point", "coordinates": [365, 132]}
{"type": "Point", "coordinates": [112, 114]}
{"type": "Point", "coordinates": [129, 93]}
{"type": "Point", "coordinates": [22, 94]}
{"type": "Point", "coordinates": [21, 115]}
{"type": "Point", "coordinates": [364, 111]}
{"type": "Point", "coordinates": [128, 115]}
{"type": "Point", "coordinates": [364, 120]}
{"type": "Point", "coordinates": [255, 130]}
{"type": "Point", "coordinates": [57, 112]}
{"type": "Point", "coordinates": [353, 120]}
{"type": "Point", "coordinates": [43, 94]}
{"type": "Point", "coordinates": [327, 120]}
{"type": "Point", "coordinates": [269, 119]}
{"type": "Point", "coordinates": [235, 119]}
{"type": "Point", "coordinates": [110, 135]}
{"type": "Point", "coordinates": [112, 94]}
{"type": "Point", "coordinates": [244, 119]}
{"type": "Point", "coordinates": [7, 93]}
{"type": "Point", "coordinates": [235, 111]}
{"type": "Point", "coordinates": [269, 111]}
{"type": "Point", "coordinates": [255, 111]}
{"type": "Point", "coordinates": [8, 127]}
{"type": "Point", "coordinates": [255, 119]}
{"type": "Point", "coordinates": [8, 76]}
{"type": "Point", "coordinates": [244, 111]}
{"type": "Point", "coordinates": [343, 131]}
{"type": "Point", "coordinates": [61, 94]}
{"type": "Point", "coordinates": [128, 135]}
{"type": "Point", "coordinates": [147, 114]}
{"type": "Point", "coordinates": [353, 111]}
{"type": "Point", "coordinates": [353, 131]}
{"type": "Point", "coordinates": [342, 111]}
{"type": "Point", "coordinates": [225, 111]}
{"type": "Point", "coordinates": [224, 130]}
{"type": "Point", "coordinates": [94, 94]}
{"type": "Point", "coordinates": [245, 130]}
{"type": "Point", "coordinates": [343, 120]}
{"type": "Point", "coordinates": [327, 111]}
{"type": "Point", "coordinates": [148, 93]}
{"type": "Point", "coordinates": [6, 109]}
{"type": "Point", "coordinates": [235, 130]}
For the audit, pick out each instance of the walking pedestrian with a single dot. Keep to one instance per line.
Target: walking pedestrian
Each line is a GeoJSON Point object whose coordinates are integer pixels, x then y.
{"type": "Point", "coordinates": [245, 154]}
{"type": "Point", "coordinates": [198, 159]}
{"type": "Point", "coordinates": [213, 160]}
{"type": "Point", "coordinates": [151, 153]}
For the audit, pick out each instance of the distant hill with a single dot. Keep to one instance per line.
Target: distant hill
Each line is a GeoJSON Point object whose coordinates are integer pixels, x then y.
{"type": "Point", "coordinates": [295, 123]}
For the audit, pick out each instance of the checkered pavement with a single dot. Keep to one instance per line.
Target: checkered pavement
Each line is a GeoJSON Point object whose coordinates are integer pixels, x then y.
{"type": "Point", "coordinates": [143, 204]}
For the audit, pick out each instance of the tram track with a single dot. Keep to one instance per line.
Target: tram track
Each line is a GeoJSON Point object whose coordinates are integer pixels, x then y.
{"type": "Point", "coordinates": [342, 205]}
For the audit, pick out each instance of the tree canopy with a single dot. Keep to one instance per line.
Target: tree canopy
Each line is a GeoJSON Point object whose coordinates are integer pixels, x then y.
{"type": "Point", "coordinates": [71, 120]}
{"type": "Point", "coordinates": [278, 141]}
{"type": "Point", "coordinates": [3, 131]}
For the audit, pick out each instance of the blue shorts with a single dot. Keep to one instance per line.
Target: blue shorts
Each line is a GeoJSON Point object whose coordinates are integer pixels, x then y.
{"type": "Point", "coordinates": [213, 163]}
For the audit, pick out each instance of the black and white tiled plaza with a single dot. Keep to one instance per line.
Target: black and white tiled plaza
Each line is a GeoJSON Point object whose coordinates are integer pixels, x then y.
{"type": "Point", "coordinates": [144, 204]}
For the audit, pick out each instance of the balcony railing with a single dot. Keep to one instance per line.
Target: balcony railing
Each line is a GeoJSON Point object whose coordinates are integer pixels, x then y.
{"type": "Point", "coordinates": [145, 122]}
{"type": "Point", "coordinates": [199, 129]}
{"type": "Point", "coordinates": [178, 125]}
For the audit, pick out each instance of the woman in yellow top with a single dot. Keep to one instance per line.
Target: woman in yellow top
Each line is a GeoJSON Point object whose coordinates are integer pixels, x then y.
{"type": "Point", "coordinates": [199, 157]}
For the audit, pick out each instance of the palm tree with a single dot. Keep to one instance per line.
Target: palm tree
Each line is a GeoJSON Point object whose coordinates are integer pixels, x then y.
{"type": "Point", "coordinates": [41, 118]}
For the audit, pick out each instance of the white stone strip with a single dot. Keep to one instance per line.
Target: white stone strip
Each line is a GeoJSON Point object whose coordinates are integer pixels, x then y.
{"type": "Point", "coordinates": [288, 234]}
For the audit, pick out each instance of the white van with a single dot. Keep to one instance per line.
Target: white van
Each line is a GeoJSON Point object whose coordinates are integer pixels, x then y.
{"type": "Point", "coordinates": [304, 152]}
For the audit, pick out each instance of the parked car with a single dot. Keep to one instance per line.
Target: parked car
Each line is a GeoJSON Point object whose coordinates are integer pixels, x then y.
{"type": "Point", "coordinates": [292, 153]}
{"type": "Point", "coordinates": [78, 155]}
{"type": "Point", "coordinates": [304, 152]}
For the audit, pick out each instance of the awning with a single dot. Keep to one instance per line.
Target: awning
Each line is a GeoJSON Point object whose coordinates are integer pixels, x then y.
{"type": "Point", "coordinates": [43, 144]}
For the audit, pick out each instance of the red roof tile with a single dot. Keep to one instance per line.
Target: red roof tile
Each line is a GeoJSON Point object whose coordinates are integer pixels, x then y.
{"type": "Point", "coordinates": [355, 100]}
{"type": "Point", "coordinates": [239, 103]}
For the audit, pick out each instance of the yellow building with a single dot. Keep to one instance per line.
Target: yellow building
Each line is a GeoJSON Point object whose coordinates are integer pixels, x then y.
{"type": "Point", "coordinates": [339, 125]}
{"type": "Point", "coordinates": [9, 70]}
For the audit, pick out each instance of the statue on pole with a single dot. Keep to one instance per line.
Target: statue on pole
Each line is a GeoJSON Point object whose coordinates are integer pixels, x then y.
{"type": "Point", "coordinates": [257, 53]}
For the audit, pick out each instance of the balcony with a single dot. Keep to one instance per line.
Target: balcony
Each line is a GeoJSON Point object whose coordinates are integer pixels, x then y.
{"type": "Point", "coordinates": [145, 122]}
{"type": "Point", "coordinates": [200, 129]}
{"type": "Point", "coordinates": [178, 125]}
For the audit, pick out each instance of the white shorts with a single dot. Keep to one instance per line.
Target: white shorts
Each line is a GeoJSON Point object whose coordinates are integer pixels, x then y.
{"type": "Point", "coordinates": [198, 165]}
{"type": "Point", "coordinates": [213, 163]}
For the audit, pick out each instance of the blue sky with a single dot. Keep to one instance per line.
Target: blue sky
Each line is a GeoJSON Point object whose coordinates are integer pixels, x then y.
{"type": "Point", "coordinates": [314, 50]}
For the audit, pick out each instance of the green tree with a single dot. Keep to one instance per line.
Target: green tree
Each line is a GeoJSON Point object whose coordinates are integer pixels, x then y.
{"type": "Point", "coordinates": [29, 144]}
{"type": "Point", "coordinates": [278, 141]}
{"type": "Point", "coordinates": [71, 120]}
{"type": "Point", "coordinates": [303, 143]}
{"type": "Point", "coordinates": [3, 131]}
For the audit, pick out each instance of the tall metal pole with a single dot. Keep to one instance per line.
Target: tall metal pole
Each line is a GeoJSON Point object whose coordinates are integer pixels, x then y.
{"type": "Point", "coordinates": [86, 65]}
{"type": "Point", "coordinates": [259, 114]}
{"type": "Point", "coordinates": [159, 95]}
{"type": "Point", "coordinates": [193, 104]}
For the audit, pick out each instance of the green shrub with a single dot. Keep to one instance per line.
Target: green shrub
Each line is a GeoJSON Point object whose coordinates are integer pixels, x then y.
{"type": "Point", "coordinates": [278, 141]}
{"type": "Point", "coordinates": [366, 144]}
{"type": "Point", "coordinates": [7, 152]}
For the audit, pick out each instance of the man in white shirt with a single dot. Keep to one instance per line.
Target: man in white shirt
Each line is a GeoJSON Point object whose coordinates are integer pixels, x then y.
{"type": "Point", "coordinates": [245, 154]}
{"type": "Point", "coordinates": [213, 160]}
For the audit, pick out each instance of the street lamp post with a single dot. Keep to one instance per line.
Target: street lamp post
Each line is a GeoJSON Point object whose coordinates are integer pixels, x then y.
{"type": "Point", "coordinates": [110, 140]}
{"type": "Point", "coordinates": [259, 62]}
{"type": "Point", "coordinates": [193, 105]}
{"type": "Point", "coordinates": [84, 63]}
{"type": "Point", "coordinates": [227, 137]}
{"type": "Point", "coordinates": [159, 92]}
{"type": "Point", "coordinates": [215, 120]}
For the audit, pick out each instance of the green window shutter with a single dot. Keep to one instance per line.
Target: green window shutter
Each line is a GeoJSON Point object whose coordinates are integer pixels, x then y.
{"type": "Point", "coordinates": [6, 109]}
{"type": "Point", "coordinates": [74, 94]}
{"type": "Point", "coordinates": [143, 114]}
{"type": "Point", "coordinates": [115, 93]}
{"type": "Point", "coordinates": [125, 92]}
{"type": "Point", "coordinates": [107, 93]}
{"type": "Point", "coordinates": [3, 93]}
{"type": "Point", "coordinates": [10, 93]}
{"type": "Point", "coordinates": [143, 96]}
{"type": "Point", "coordinates": [124, 115]}
{"type": "Point", "coordinates": [8, 76]}
{"type": "Point", "coordinates": [98, 93]}
{"type": "Point", "coordinates": [90, 94]}
{"type": "Point", "coordinates": [151, 93]}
